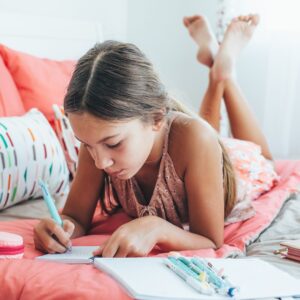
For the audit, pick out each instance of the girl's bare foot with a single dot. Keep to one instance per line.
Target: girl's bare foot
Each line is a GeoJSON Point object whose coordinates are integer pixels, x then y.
{"type": "Point", "coordinates": [237, 35]}
{"type": "Point", "coordinates": [202, 34]}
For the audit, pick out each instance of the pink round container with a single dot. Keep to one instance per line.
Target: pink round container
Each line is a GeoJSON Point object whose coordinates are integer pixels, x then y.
{"type": "Point", "coordinates": [11, 245]}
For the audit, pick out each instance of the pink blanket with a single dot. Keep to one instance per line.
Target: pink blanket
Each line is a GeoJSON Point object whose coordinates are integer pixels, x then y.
{"type": "Point", "coordinates": [29, 279]}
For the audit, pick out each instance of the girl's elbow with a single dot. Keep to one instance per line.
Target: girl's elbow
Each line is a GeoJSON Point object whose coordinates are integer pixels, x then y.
{"type": "Point", "coordinates": [218, 243]}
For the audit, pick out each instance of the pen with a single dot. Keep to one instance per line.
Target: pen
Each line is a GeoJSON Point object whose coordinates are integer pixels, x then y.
{"type": "Point", "coordinates": [221, 283]}
{"type": "Point", "coordinates": [51, 206]}
{"type": "Point", "coordinates": [188, 277]}
{"type": "Point", "coordinates": [190, 265]}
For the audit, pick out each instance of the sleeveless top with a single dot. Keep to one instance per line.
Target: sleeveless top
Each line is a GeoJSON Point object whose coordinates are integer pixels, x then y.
{"type": "Point", "coordinates": [168, 200]}
{"type": "Point", "coordinates": [254, 175]}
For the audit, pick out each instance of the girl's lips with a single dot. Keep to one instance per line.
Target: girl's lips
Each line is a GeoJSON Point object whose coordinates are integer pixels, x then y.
{"type": "Point", "coordinates": [116, 173]}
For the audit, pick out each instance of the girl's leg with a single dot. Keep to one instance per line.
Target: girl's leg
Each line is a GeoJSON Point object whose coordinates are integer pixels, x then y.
{"type": "Point", "coordinates": [221, 84]}
{"type": "Point", "coordinates": [210, 108]}
{"type": "Point", "coordinates": [202, 34]}
{"type": "Point", "coordinates": [243, 123]}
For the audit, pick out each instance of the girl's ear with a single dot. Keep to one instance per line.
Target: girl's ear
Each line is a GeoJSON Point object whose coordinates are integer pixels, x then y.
{"type": "Point", "coordinates": [158, 119]}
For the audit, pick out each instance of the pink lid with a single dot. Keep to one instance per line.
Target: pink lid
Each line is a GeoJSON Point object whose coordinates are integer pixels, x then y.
{"type": "Point", "coordinates": [10, 239]}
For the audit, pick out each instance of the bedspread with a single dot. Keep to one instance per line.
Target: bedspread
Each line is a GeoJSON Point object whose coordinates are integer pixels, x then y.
{"type": "Point", "coordinates": [29, 279]}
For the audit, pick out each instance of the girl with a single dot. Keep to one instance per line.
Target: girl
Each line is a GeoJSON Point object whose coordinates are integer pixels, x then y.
{"type": "Point", "coordinates": [143, 152]}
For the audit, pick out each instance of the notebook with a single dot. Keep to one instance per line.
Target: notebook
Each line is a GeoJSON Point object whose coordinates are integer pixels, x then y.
{"type": "Point", "coordinates": [150, 278]}
{"type": "Point", "coordinates": [78, 255]}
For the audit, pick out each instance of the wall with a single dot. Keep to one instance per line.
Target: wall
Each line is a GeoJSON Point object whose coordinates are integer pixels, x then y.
{"type": "Point", "coordinates": [112, 14]}
{"type": "Point", "coordinates": [156, 27]}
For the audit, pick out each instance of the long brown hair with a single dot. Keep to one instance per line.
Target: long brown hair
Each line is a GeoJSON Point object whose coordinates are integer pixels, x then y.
{"type": "Point", "coordinates": [115, 81]}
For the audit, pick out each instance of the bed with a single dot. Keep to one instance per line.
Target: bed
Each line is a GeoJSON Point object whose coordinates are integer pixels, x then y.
{"type": "Point", "coordinates": [277, 219]}
{"type": "Point", "coordinates": [277, 212]}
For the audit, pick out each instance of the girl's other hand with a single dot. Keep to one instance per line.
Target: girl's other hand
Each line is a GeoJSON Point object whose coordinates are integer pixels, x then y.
{"type": "Point", "coordinates": [135, 238]}
{"type": "Point", "coordinates": [51, 238]}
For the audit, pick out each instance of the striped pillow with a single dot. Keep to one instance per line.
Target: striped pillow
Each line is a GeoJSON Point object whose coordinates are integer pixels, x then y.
{"type": "Point", "coordinates": [67, 139]}
{"type": "Point", "coordinates": [29, 150]}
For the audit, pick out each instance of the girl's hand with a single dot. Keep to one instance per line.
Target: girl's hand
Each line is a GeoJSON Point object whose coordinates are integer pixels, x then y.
{"type": "Point", "coordinates": [136, 238]}
{"type": "Point", "coordinates": [52, 238]}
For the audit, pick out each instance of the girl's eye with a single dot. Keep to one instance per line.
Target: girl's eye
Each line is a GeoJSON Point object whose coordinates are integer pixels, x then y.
{"type": "Point", "coordinates": [86, 146]}
{"type": "Point", "coordinates": [114, 145]}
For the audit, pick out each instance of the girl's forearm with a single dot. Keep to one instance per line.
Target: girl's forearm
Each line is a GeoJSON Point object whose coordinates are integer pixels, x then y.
{"type": "Point", "coordinates": [173, 238]}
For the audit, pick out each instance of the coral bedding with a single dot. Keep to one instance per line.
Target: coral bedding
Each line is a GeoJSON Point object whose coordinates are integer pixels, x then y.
{"type": "Point", "coordinates": [30, 279]}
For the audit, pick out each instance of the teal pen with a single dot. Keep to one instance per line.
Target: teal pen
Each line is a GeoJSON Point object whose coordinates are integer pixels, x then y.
{"type": "Point", "coordinates": [51, 206]}
{"type": "Point", "coordinates": [214, 278]}
{"type": "Point", "coordinates": [188, 276]}
{"type": "Point", "coordinates": [222, 285]}
{"type": "Point", "coordinates": [50, 203]}
{"type": "Point", "coordinates": [190, 265]}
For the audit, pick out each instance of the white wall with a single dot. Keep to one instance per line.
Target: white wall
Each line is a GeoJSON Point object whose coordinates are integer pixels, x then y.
{"type": "Point", "coordinates": [156, 27]}
{"type": "Point", "coordinates": [112, 14]}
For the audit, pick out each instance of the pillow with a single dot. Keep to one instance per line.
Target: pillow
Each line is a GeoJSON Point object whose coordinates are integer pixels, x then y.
{"type": "Point", "coordinates": [41, 82]}
{"type": "Point", "coordinates": [67, 139]}
{"type": "Point", "coordinates": [29, 150]}
{"type": "Point", "coordinates": [10, 100]}
{"type": "Point", "coordinates": [255, 175]}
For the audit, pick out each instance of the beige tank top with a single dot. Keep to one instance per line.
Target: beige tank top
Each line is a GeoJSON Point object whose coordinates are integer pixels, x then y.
{"type": "Point", "coordinates": [168, 200]}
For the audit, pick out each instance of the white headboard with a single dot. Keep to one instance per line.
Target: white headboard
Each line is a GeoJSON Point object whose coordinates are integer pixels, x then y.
{"type": "Point", "coordinates": [48, 37]}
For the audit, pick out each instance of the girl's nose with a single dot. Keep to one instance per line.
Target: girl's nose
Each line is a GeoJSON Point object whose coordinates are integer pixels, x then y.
{"type": "Point", "coordinates": [102, 160]}
{"type": "Point", "coordinates": [103, 163]}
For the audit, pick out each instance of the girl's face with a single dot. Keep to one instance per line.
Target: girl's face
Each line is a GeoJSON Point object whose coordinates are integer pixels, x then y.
{"type": "Point", "coordinates": [120, 148]}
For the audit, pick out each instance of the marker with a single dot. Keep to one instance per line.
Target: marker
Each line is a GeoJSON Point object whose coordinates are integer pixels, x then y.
{"type": "Point", "coordinates": [214, 278]}
{"type": "Point", "coordinates": [221, 283]}
{"type": "Point", "coordinates": [190, 265]}
{"type": "Point", "coordinates": [188, 277]}
{"type": "Point", "coordinates": [51, 206]}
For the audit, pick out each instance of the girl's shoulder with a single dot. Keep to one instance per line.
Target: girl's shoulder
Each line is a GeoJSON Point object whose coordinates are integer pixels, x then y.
{"type": "Point", "coordinates": [189, 136]}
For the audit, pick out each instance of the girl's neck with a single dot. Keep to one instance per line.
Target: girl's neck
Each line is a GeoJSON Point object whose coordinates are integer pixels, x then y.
{"type": "Point", "coordinates": [157, 148]}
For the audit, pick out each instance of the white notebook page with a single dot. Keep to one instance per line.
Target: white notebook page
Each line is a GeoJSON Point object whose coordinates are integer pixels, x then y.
{"type": "Point", "coordinates": [78, 255]}
{"type": "Point", "coordinates": [148, 278]}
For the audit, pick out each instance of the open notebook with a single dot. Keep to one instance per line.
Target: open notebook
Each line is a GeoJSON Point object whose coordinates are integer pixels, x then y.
{"type": "Point", "coordinates": [150, 278]}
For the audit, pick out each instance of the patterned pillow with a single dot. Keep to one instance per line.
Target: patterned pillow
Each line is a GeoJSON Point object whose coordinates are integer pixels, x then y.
{"type": "Point", "coordinates": [29, 150]}
{"type": "Point", "coordinates": [255, 175]}
{"type": "Point", "coordinates": [66, 137]}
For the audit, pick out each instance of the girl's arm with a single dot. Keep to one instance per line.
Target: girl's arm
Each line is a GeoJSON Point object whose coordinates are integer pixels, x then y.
{"type": "Point", "coordinates": [203, 178]}
{"type": "Point", "coordinates": [84, 193]}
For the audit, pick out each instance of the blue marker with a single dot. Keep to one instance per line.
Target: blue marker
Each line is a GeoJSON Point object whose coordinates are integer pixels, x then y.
{"type": "Point", "coordinates": [51, 206]}
{"type": "Point", "coordinates": [220, 283]}
{"type": "Point", "coordinates": [188, 276]}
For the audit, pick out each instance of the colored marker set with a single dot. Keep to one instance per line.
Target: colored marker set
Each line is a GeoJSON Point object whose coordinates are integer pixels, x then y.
{"type": "Point", "coordinates": [200, 275]}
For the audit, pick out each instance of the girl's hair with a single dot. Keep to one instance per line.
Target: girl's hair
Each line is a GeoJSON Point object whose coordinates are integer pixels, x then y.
{"type": "Point", "coordinates": [115, 81]}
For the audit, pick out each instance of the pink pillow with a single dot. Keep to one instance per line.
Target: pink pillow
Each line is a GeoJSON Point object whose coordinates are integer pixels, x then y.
{"type": "Point", "coordinates": [41, 82]}
{"type": "Point", "coordinates": [10, 100]}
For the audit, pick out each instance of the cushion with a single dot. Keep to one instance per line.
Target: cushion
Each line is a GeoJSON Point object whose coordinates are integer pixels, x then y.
{"type": "Point", "coordinates": [29, 150]}
{"type": "Point", "coordinates": [67, 139]}
{"type": "Point", "coordinates": [41, 82]}
{"type": "Point", "coordinates": [10, 100]}
{"type": "Point", "coordinates": [255, 175]}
